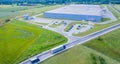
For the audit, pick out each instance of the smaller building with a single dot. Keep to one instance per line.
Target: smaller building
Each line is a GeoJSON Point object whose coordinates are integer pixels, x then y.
{"type": "Point", "coordinates": [25, 4]}
{"type": "Point", "coordinates": [27, 17]}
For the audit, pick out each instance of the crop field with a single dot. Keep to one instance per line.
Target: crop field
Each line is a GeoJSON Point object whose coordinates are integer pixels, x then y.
{"type": "Point", "coordinates": [78, 55]}
{"type": "Point", "coordinates": [20, 40]}
{"type": "Point", "coordinates": [8, 11]}
{"type": "Point", "coordinates": [11, 10]}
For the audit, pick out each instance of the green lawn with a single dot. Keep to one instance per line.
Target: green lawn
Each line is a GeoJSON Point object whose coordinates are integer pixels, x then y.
{"type": "Point", "coordinates": [56, 25]}
{"type": "Point", "coordinates": [114, 12]}
{"type": "Point", "coordinates": [108, 44]}
{"type": "Point", "coordinates": [76, 22]}
{"type": "Point", "coordinates": [20, 40]}
{"type": "Point", "coordinates": [78, 55]}
{"type": "Point", "coordinates": [105, 19]}
{"type": "Point", "coordinates": [41, 23]}
{"type": "Point", "coordinates": [41, 16]}
{"type": "Point", "coordinates": [117, 6]}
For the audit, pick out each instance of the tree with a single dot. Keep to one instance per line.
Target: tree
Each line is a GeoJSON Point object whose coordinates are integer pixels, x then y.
{"type": "Point", "coordinates": [102, 60]}
{"type": "Point", "coordinates": [100, 38]}
{"type": "Point", "coordinates": [7, 20]}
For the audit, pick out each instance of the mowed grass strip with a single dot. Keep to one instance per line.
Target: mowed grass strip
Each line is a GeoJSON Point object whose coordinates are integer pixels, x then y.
{"type": "Point", "coordinates": [117, 6]}
{"type": "Point", "coordinates": [108, 44]}
{"type": "Point", "coordinates": [77, 55]}
{"type": "Point", "coordinates": [73, 23]}
{"type": "Point", "coordinates": [21, 40]}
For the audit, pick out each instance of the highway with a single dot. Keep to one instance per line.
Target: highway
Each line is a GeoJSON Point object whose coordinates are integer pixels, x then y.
{"type": "Point", "coordinates": [48, 54]}
{"type": "Point", "coordinates": [94, 35]}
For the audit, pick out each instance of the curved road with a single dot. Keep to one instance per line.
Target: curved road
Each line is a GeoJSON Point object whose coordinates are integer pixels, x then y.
{"type": "Point", "coordinates": [48, 54]}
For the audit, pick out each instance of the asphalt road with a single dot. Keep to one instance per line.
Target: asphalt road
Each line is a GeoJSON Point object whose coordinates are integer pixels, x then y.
{"type": "Point", "coordinates": [48, 54]}
{"type": "Point", "coordinates": [94, 35]}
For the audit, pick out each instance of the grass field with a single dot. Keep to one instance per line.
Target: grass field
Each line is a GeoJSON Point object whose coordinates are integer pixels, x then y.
{"type": "Point", "coordinates": [105, 19]}
{"type": "Point", "coordinates": [78, 55]}
{"type": "Point", "coordinates": [108, 44]}
{"type": "Point", "coordinates": [73, 24]}
{"type": "Point", "coordinates": [117, 6]}
{"type": "Point", "coordinates": [114, 12]}
{"type": "Point", "coordinates": [20, 40]}
{"type": "Point", "coordinates": [8, 11]}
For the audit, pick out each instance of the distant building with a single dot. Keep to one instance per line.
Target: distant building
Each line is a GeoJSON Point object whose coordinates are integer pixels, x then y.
{"type": "Point", "coordinates": [27, 17]}
{"type": "Point", "coordinates": [25, 4]}
{"type": "Point", "coordinates": [76, 12]}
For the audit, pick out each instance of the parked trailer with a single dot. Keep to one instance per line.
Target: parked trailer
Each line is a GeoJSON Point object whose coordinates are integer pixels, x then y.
{"type": "Point", "coordinates": [58, 49]}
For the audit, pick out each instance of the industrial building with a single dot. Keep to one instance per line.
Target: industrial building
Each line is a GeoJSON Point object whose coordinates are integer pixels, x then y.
{"type": "Point", "coordinates": [76, 12]}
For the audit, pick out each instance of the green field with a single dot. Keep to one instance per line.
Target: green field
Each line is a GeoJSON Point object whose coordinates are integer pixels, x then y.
{"type": "Point", "coordinates": [8, 11]}
{"type": "Point", "coordinates": [20, 40]}
{"type": "Point", "coordinates": [13, 10]}
{"type": "Point", "coordinates": [76, 22]}
{"type": "Point", "coordinates": [108, 44]}
{"type": "Point", "coordinates": [105, 19]}
{"type": "Point", "coordinates": [78, 55]}
{"type": "Point", "coordinates": [117, 6]}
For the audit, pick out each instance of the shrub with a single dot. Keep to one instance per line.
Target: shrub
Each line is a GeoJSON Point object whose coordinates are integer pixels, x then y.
{"type": "Point", "coordinates": [7, 20]}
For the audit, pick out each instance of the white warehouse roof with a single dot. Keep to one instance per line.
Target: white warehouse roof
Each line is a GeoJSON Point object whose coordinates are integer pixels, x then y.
{"type": "Point", "coordinates": [79, 9]}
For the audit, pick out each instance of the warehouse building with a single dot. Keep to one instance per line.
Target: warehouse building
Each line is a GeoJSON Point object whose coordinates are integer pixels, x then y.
{"type": "Point", "coordinates": [76, 12]}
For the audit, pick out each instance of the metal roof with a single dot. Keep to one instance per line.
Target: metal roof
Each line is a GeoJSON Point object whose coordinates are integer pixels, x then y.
{"type": "Point", "coordinates": [79, 9]}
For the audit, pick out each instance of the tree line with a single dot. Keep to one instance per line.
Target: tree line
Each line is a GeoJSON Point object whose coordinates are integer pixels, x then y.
{"type": "Point", "coordinates": [59, 1]}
